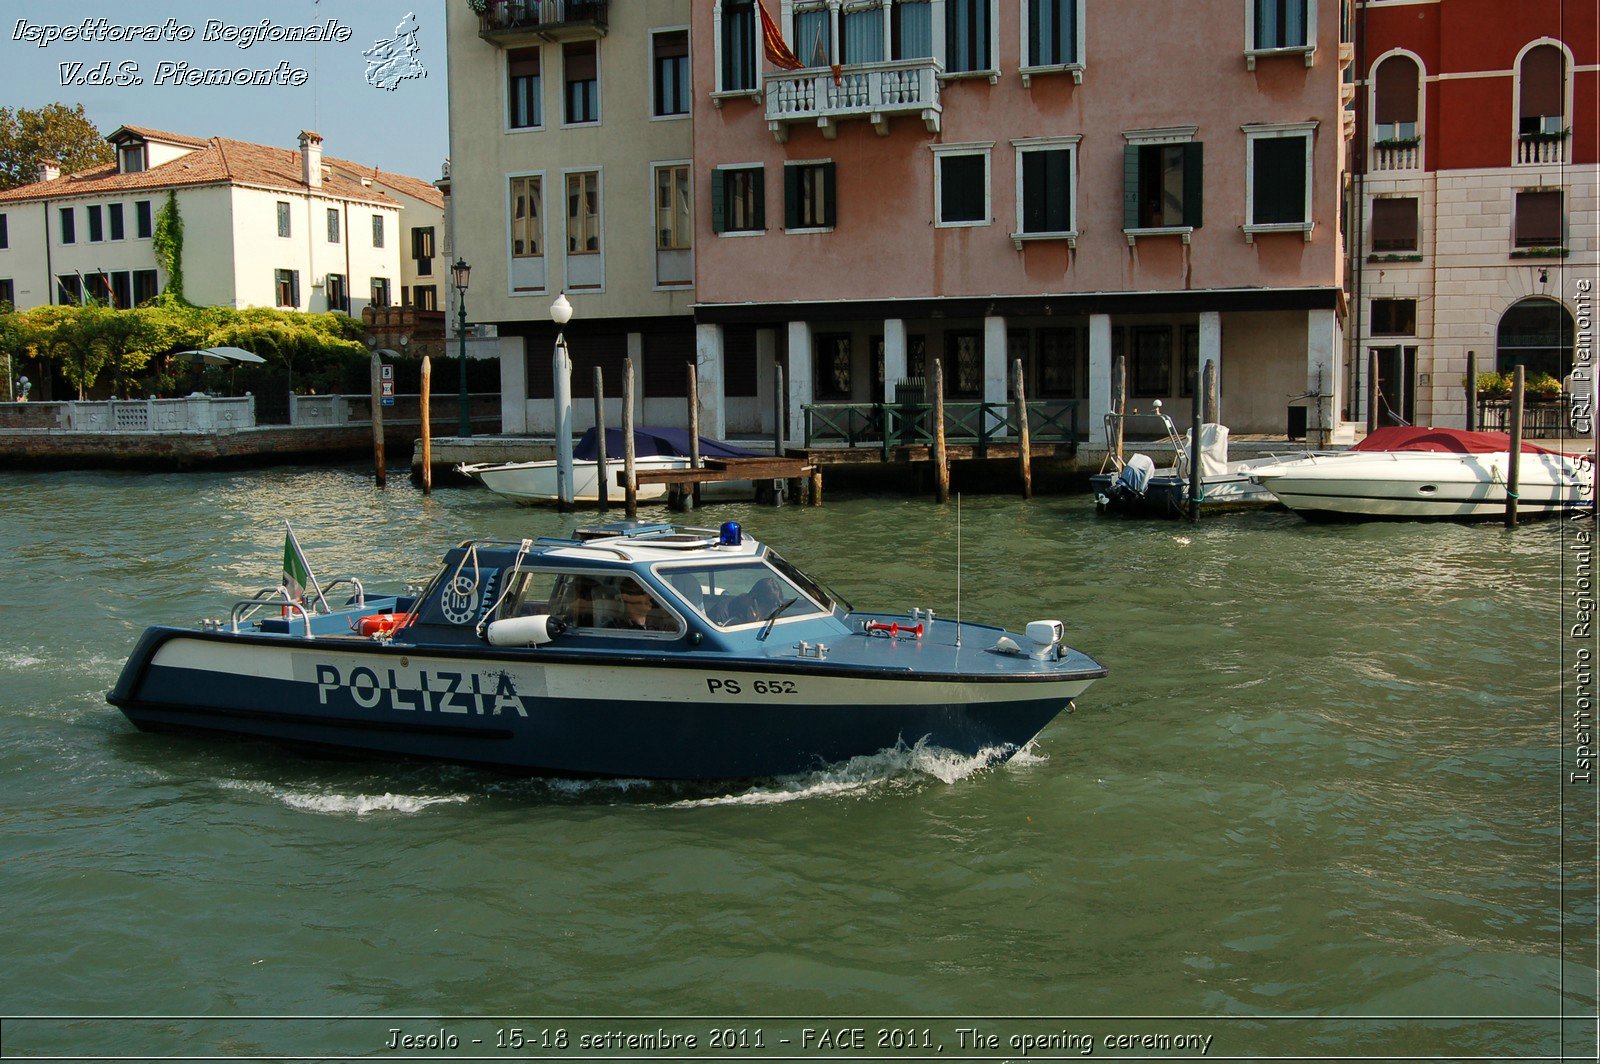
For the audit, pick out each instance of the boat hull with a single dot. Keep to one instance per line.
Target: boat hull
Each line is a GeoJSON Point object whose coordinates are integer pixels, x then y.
{"type": "Point", "coordinates": [1428, 486]}
{"type": "Point", "coordinates": [1167, 494]}
{"type": "Point", "coordinates": [534, 483]}
{"type": "Point", "coordinates": [632, 717]}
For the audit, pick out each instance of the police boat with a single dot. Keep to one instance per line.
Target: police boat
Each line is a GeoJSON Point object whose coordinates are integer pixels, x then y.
{"type": "Point", "coordinates": [630, 650]}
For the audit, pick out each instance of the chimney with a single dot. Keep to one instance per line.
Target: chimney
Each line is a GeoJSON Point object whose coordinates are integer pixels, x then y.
{"type": "Point", "coordinates": [49, 169]}
{"type": "Point", "coordinates": [311, 158]}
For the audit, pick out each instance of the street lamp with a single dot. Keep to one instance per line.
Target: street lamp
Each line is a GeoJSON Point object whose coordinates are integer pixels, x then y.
{"type": "Point", "coordinates": [460, 272]}
{"type": "Point", "coordinates": [561, 313]}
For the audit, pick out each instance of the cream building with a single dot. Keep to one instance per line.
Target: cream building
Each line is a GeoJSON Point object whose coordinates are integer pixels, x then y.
{"type": "Point", "coordinates": [573, 173]}
{"type": "Point", "coordinates": [262, 226]}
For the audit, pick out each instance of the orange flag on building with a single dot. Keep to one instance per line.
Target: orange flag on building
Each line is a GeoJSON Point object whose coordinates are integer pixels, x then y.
{"type": "Point", "coordinates": [776, 48]}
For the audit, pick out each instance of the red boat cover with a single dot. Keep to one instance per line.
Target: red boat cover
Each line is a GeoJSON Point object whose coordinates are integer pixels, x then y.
{"type": "Point", "coordinates": [1453, 441]}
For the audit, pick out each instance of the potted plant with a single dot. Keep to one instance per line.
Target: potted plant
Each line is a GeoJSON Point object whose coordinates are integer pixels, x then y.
{"type": "Point", "coordinates": [1492, 386]}
{"type": "Point", "coordinates": [1543, 387]}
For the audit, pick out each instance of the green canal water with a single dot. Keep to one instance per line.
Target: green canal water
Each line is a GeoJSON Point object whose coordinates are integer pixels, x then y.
{"type": "Point", "coordinates": [1319, 796]}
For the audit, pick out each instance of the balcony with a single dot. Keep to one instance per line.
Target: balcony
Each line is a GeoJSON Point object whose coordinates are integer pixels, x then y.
{"type": "Point", "coordinates": [508, 22]}
{"type": "Point", "coordinates": [1388, 156]}
{"type": "Point", "coordinates": [1541, 148]}
{"type": "Point", "coordinates": [874, 91]}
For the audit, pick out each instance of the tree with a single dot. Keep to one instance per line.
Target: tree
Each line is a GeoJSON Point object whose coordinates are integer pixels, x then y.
{"type": "Point", "coordinates": [72, 335]}
{"type": "Point", "coordinates": [54, 131]}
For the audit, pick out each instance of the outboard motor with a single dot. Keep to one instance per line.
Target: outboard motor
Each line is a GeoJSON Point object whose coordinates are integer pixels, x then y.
{"type": "Point", "coordinates": [1131, 484]}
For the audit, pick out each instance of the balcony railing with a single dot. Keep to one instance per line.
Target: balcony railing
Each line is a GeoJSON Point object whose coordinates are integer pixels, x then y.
{"type": "Point", "coordinates": [550, 20]}
{"type": "Point", "coordinates": [873, 91]}
{"type": "Point", "coordinates": [1534, 151]}
{"type": "Point", "coordinates": [1395, 157]}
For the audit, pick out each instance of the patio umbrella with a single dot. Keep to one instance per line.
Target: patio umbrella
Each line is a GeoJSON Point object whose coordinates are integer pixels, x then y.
{"type": "Point", "coordinates": [220, 356]}
{"type": "Point", "coordinates": [238, 354]}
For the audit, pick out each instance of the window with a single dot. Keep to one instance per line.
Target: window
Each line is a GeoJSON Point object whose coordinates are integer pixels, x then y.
{"type": "Point", "coordinates": [1052, 29]}
{"type": "Point", "coordinates": [69, 289]}
{"type": "Point", "coordinates": [966, 35]}
{"type": "Point", "coordinates": [1540, 220]}
{"type": "Point", "coordinates": [97, 286]}
{"type": "Point", "coordinates": [1394, 317]}
{"type": "Point", "coordinates": [96, 225]}
{"type": "Point", "coordinates": [333, 225]}
{"type": "Point", "coordinates": [809, 195]}
{"type": "Point", "coordinates": [380, 291]}
{"type": "Point", "coordinates": [583, 214]}
{"type": "Point", "coordinates": [1151, 369]}
{"type": "Point", "coordinates": [8, 292]}
{"type": "Point", "coordinates": [832, 366]}
{"type": "Point", "coordinates": [1060, 365]}
{"type": "Point", "coordinates": [1394, 224]}
{"type": "Point", "coordinates": [961, 188]}
{"type": "Point", "coordinates": [673, 230]}
{"type": "Point", "coordinates": [114, 220]}
{"type": "Point", "coordinates": [527, 224]}
{"type": "Point", "coordinates": [580, 62]}
{"type": "Point", "coordinates": [1538, 334]}
{"type": "Point", "coordinates": [283, 218]}
{"type": "Point", "coordinates": [1162, 185]}
{"type": "Point", "coordinates": [131, 159]}
{"type": "Point", "coordinates": [121, 290]}
{"type": "Point", "coordinates": [69, 228]}
{"type": "Point", "coordinates": [1189, 348]}
{"type": "Point", "coordinates": [425, 297]}
{"type": "Point", "coordinates": [911, 29]}
{"type": "Point", "coordinates": [1278, 177]}
{"type": "Point", "coordinates": [338, 293]}
{"type": "Point", "coordinates": [671, 72]}
{"type": "Point", "coordinates": [738, 200]}
{"type": "Point", "coordinates": [1279, 24]}
{"type": "Point", "coordinates": [862, 35]}
{"type": "Point", "coordinates": [377, 230]}
{"type": "Point", "coordinates": [963, 364]}
{"type": "Point", "coordinates": [594, 605]}
{"type": "Point", "coordinates": [522, 80]}
{"type": "Point", "coordinates": [422, 249]}
{"type": "Point", "coordinates": [144, 286]}
{"type": "Point", "coordinates": [1541, 85]}
{"type": "Point", "coordinates": [143, 226]}
{"type": "Point", "coordinates": [745, 594]}
{"type": "Point", "coordinates": [1045, 196]}
{"type": "Point", "coordinates": [5, 234]}
{"type": "Point", "coordinates": [1394, 108]}
{"type": "Point", "coordinates": [288, 288]}
{"type": "Point", "coordinates": [813, 35]}
{"type": "Point", "coordinates": [738, 41]}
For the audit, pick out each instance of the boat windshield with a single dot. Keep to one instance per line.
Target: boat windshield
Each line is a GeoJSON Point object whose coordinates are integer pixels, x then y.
{"type": "Point", "coordinates": [733, 594]}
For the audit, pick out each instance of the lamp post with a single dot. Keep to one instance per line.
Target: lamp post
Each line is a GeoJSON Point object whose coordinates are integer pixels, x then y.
{"type": "Point", "coordinates": [460, 272]}
{"type": "Point", "coordinates": [561, 313]}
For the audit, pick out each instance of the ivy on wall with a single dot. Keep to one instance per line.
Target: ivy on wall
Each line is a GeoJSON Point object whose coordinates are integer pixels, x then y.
{"type": "Point", "coordinates": [168, 244]}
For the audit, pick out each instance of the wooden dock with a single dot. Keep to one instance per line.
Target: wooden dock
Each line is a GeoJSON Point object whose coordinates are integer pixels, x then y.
{"type": "Point", "coordinates": [761, 470]}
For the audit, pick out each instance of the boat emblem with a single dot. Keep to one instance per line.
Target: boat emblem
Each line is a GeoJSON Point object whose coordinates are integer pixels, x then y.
{"type": "Point", "coordinates": [459, 601]}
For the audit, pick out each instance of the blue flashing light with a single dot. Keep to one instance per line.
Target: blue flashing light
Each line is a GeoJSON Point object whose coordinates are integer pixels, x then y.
{"type": "Point", "coordinates": [732, 534]}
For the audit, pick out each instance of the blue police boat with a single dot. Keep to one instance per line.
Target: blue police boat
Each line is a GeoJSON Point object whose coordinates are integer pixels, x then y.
{"type": "Point", "coordinates": [630, 649]}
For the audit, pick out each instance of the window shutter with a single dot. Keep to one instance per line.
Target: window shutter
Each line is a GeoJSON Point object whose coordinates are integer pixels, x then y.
{"type": "Point", "coordinates": [759, 190]}
{"type": "Point", "coordinates": [1193, 184]}
{"type": "Point", "coordinates": [719, 220]}
{"type": "Point", "coordinates": [791, 197]}
{"type": "Point", "coordinates": [1034, 194]}
{"type": "Point", "coordinates": [830, 195]}
{"type": "Point", "coordinates": [1130, 186]}
{"type": "Point", "coordinates": [1057, 191]}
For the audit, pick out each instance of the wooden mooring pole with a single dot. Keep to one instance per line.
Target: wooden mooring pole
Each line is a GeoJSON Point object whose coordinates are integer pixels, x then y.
{"type": "Point", "coordinates": [380, 474]}
{"type": "Point", "coordinates": [1372, 392]}
{"type": "Point", "coordinates": [1472, 391]}
{"type": "Point", "coordinates": [1197, 418]}
{"type": "Point", "coordinates": [1514, 459]}
{"type": "Point", "coordinates": [1024, 458]}
{"type": "Point", "coordinates": [941, 462]}
{"type": "Point", "coordinates": [427, 425]}
{"type": "Point", "coordinates": [602, 482]}
{"type": "Point", "coordinates": [694, 430]}
{"type": "Point", "coordinates": [1119, 402]}
{"type": "Point", "coordinates": [630, 480]}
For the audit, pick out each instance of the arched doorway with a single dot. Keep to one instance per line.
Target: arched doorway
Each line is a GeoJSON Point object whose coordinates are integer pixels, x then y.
{"type": "Point", "coordinates": [1537, 334]}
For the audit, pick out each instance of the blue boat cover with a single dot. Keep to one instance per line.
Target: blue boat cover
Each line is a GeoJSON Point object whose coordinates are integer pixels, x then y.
{"type": "Point", "coordinates": [654, 442]}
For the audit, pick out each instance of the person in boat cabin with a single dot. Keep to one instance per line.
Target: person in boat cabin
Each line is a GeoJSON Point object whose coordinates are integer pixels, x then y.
{"type": "Point", "coordinates": [639, 610]}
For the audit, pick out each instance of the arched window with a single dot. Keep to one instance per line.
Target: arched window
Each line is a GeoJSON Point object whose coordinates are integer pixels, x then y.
{"type": "Point", "coordinates": [1542, 83]}
{"type": "Point", "coordinates": [1396, 105]}
{"type": "Point", "coordinates": [1537, 334]}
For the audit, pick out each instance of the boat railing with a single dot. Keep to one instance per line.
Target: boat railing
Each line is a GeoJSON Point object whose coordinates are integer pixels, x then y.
{"type": "Point", "coordinates": [246, 608]}
{"type": "Point", "coordinates": [361, 593]}
{"type": "Point", "coordinates": [1173, 440]}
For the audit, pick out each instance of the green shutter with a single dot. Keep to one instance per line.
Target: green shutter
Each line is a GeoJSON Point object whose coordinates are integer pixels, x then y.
{"type": "Point", "coordinates": [759, 187]}
{"type": "Point", "coordinates": [719, 218]}
{"type": "Point", "coordinates": [1130, 186]}
{"type": "Point", "coordinates": [830, 195]}
{"type": "Point", "coordinates": [1035, 192]}
{"type": "Point", "coordinates": [1193, 185]}
{"type": "Point", "coordinates": [791, 197]}
{"type": "Point", "coordinates": [1058, 190]}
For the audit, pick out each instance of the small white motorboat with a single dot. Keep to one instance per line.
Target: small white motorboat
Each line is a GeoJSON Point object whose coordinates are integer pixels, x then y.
{"type": "Point", "coordinates": [1411, 473]}
{"type": "Point", "coordinates": [534, 483]}
{"type": "Point", "coordinates": [1138, 487]}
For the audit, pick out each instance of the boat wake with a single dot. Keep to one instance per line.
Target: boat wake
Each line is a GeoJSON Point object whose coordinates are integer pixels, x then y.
{"type": "Point", "coordinates": [334, 804]}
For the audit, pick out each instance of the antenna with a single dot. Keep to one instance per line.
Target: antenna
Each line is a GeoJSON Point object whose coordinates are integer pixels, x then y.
{"type": "Point", "coordinates": [958, 570]}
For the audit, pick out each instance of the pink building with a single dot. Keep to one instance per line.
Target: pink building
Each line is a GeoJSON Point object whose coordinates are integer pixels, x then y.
{"type": "Point", "coordinates": [1046, 180]}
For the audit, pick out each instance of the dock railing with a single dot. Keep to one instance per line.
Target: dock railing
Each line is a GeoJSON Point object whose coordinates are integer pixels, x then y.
{"type": "Point", "coordinates": [891, 425]}
{"type": "Point", "coordinates": [1541, 418]}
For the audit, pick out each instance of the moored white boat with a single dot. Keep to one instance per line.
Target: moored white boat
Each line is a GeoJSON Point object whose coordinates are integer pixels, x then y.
{"type": "Point", "coordinates": [1430, 473]}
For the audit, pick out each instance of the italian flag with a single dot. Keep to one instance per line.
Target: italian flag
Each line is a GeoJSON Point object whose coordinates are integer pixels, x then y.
{"type": "Point", "coordinates": [297, 574]}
